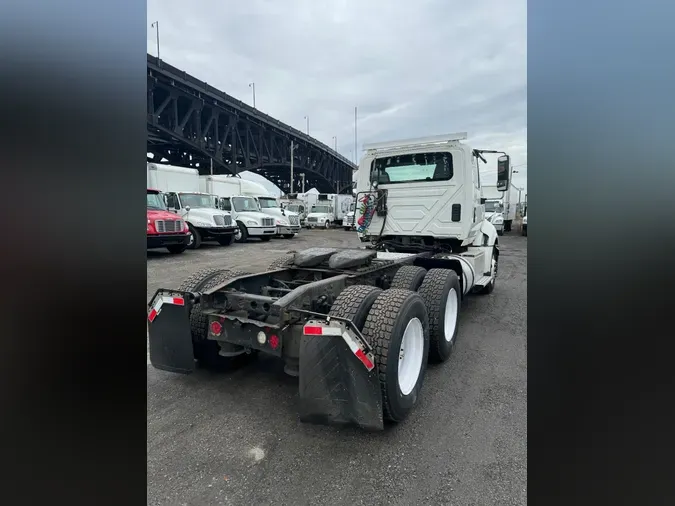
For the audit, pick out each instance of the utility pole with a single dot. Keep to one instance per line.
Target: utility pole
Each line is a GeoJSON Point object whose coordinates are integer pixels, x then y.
{"type": "Point", "coordinates": [356, 153]}
{"type": "Point", "coordinates": [335, 143]}
{"type": "Point", "coordinates": [303, 182]}
{"type": "Point", "coordinates": [292, 148]}
{"type": "Point", "coordinates": [252, 85]}
{"type": "Point", "coordinates": [307, 118]}
{"type": "Point", "coordinates": [211, 165]}
{"type": "Point", "coordinates": [156, 26]}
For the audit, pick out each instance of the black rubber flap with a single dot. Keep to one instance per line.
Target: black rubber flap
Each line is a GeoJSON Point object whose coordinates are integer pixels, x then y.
{"type": "Point", "coordinates": [312, 257]}
{"type": "Point", "coordinates": [171, 339]}
{"type": "Point", "coordinates": [335, 387]}
{"type": "Point", "coordinates": [348, 258]}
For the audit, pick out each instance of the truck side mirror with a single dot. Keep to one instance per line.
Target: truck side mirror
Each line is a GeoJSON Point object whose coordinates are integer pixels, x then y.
{"type": "Point", "coordinates": [503, 172]}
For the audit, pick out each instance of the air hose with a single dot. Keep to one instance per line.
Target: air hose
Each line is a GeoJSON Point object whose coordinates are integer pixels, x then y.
{"type": "Point", "coordinates": [367, 210]}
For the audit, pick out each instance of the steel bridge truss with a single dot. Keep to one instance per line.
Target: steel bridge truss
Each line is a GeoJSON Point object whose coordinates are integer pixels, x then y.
{"type": "Point", "coordinates": [193, 124]}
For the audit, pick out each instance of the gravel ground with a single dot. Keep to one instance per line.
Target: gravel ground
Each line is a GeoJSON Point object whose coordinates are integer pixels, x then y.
{"type": "Point", "coordinates": [234, 438]}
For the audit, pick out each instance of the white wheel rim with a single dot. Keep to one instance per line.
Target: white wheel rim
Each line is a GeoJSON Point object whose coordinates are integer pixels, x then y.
{"type": "Point", "coordinates": [451, 312]}
{"type": "Point", "coordinates": [191, 240]}
{"type": "Point", "coordinates": [237, 234]}
{"type": "Point", "coordinates": [410, 356]}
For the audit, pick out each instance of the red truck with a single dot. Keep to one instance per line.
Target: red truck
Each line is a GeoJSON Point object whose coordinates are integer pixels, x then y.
{"type": "Point", "coordinates": [165, 229]}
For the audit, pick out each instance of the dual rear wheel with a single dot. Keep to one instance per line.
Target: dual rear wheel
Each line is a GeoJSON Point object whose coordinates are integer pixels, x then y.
{"type": "Point", "coordinates": [406, 327]}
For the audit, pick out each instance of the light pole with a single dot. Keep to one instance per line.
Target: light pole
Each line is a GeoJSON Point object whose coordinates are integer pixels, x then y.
{"type": "Point", "coordinates": [356, 151]}
{"type": "Point", "coordinates": [307, 118]}
{"type": "Point", "coordinates": [335, 143]}
{"type": "Point", "coordinates": [293, 148]}
{"type": "Point", "coordinates": [156, 26]}
{"type": "Point", "coordinates": [252, 85]}
{"type": "Point", "coordinates": [302, 175]}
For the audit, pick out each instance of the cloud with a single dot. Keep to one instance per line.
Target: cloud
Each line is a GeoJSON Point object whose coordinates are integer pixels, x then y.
{"type": "Point", "coordinates": [413, 68]}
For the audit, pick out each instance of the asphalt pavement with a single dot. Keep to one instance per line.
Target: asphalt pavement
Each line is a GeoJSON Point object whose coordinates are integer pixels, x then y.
{"type": "Point", "coordinates": [235, 438]}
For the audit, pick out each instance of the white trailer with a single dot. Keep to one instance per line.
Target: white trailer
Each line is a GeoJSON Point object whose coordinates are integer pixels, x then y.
{"type": "Point", "coordinates": [181, 186]}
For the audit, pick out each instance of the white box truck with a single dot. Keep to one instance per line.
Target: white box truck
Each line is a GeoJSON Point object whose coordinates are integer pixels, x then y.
{"type": "Point", "coordinates": [287, 222]}
{"type": "Point", "coordinates": [244, 209]}
{"type": "Point", "coordinates": [198, 209]}
{"type": "Point", "coordinates": [330, 209]}
{"type": "Point", "coordinates": [500, 207]}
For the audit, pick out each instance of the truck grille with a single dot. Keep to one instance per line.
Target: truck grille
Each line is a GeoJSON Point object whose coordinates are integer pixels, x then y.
{"type": "Point", "coordinates": [311, 220]}
{"type": "Point", "coordinates": [166, 226]}
{"type": "Point", "coordinates": [268, 222]}
{"type": "Point", "coordinates": [293, 220]}
{"type": "Point", "coordinates": [222, 221]}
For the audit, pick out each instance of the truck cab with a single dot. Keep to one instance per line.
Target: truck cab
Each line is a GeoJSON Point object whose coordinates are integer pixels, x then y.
{"type": "Point", "coordinates": [298, 208]}
{"type": "Point", "coordinates": [165, 229]}
{"type": "Point", "coordinates": [348, 222]}
{"type": "Point", "coordinates": [250, 221]}
{"type": "Point", "coordinates": [287, 222]}
{"type": "Point", "coordinates": [204, 219]}
{"type": "Point", "coordinates": [494, 213]}
{"type": "Point", "coordinates": [321, 215]}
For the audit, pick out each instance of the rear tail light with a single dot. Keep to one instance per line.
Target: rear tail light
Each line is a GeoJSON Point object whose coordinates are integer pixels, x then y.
{"type": "Point", "coordinates": [216, 328]}
{"type": "Point", "coordinates": [274, 341]}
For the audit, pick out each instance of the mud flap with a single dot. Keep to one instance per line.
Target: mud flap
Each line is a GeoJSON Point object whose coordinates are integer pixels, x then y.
{"type": "Point", "coordinates": [335, 387]}
{"type": "Point", "coordinates": [170, 336]}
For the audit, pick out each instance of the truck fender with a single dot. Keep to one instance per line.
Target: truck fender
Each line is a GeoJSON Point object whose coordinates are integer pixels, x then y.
{"type": "Point", "coordinates": [487, 236]}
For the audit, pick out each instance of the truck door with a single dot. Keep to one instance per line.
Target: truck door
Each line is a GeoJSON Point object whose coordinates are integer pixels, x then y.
{"type": "Point", "coordinates": [479, 209]}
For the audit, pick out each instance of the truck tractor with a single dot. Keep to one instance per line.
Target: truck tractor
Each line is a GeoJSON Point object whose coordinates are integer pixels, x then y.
{"type": "Point", "coordinates": [348, 222]}
{"type": "Point", "coordinates": [357, 326]}
{"type": "Point", "coordinates": [287, 222]}
{"type": "Point", "coordinates": [251, 222]}
{"type": "Point", "coordinates": [165, 229]}
{"type": "Point", "coordinates": [204, 219]}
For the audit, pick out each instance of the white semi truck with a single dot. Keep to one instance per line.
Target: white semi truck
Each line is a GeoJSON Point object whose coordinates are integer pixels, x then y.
{"type": "Point", "coordinates": [181, 186]}
{"type": "Point", "coordinates": [356, 325]}
{"type": "Point", "coordinates": [251, 222]}
{"type": "Point", "coordinates": [500, 206]}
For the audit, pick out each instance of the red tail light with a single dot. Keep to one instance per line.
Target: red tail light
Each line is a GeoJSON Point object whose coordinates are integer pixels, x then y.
{"type": "Point", "coordinates": [216, 328]}
{"type": "Point", "coordinates": [274, 341]}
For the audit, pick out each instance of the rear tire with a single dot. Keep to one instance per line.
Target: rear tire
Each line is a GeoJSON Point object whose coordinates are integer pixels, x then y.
{"type": "Point", "coordinates": [225, 240]}
{"type": "Point", "coordinates": [354, 303]}
{"type": "Point", "coordinates": [442, 295]}
{"type": "Point", "coordinates": [289, 236]}
{"type": "Point", "coordinates": [409, 277]}
{"type": "Point", "coordinates": [196, 241]}
{"type": "Point", "coordinates": [500, 232]}
{"type": "Point", "coordinates": [394, 315]}
{"type": "Point", "coordinates": [177, 249]}
{"type": "Point", "coordinates": [206, 350]}
{"type": "Point", "coordinates": [265, 238]}
{"type": "Point", "coordinates": [282, 262]}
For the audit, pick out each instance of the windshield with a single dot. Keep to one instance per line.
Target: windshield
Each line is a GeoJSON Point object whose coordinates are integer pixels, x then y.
{"type": "Point", "coordinates": [243, 204]}
{"type": "Point", "coordinates": [294, 208]}
{"type": "Point", "coordinates": [156, 201]}
{"type": "Point", "coordinates": [196, 200]}
{"type": "Point", "coordinates": [268, 203]}
{"type": "Point", "coordinates": [414, 167]}
{"type": "Point", "coordinates": [321, 209]}
{"type": "Point", "coordinates": [493, 207]}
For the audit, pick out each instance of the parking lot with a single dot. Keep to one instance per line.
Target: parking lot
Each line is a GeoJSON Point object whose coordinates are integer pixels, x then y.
{"type": "Point", "coordinates": [235, 438]}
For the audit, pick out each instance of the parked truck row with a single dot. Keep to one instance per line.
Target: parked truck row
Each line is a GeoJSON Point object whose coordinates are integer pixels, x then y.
{"type": "Point", "coordinates": [210, 208]}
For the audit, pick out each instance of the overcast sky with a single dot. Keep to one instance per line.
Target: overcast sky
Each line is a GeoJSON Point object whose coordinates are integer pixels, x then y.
{"type": "Point", "coordinates": [413, 68]}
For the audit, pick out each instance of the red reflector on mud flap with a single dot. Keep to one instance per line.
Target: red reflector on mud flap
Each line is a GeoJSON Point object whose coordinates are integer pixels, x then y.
{"type": "Point", "coordinates": [353, 344]}
{"type": "Point", "coordinates": [178, 301]}
{"type": "Point", "coordinates": [313, 331]}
